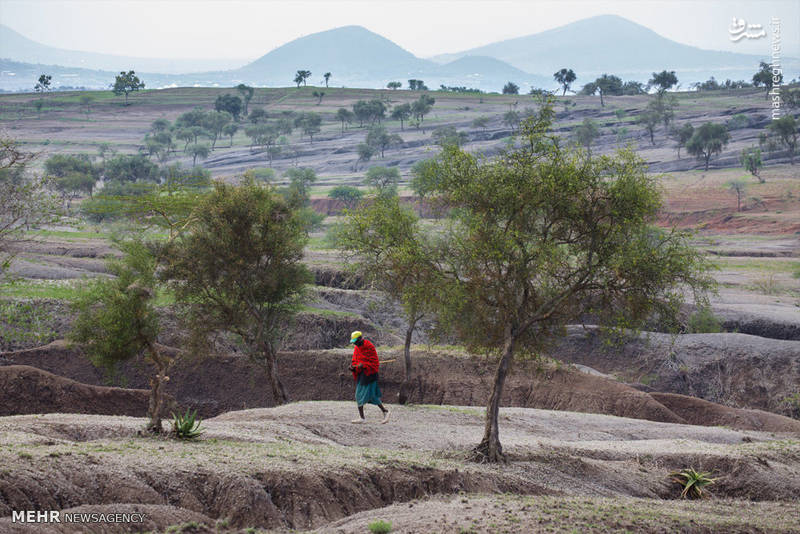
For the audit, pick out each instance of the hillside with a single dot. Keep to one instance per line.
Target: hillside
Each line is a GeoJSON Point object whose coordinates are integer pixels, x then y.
{"type": "Point", "coordinates": [17, 47]}
{"type": "Point", "coordinates": [586, 47]}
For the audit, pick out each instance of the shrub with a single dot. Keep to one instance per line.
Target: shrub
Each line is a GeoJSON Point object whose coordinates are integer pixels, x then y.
{"type": "Point", "coordinates": [380, 527]}
{"type": "Point", "coordinates": [738, 121]}
{"type": "Point", "coordinates": [703, 321]}
{"type": "Point", "coordinates": [693, 483]}
{"type": "Point", "coordinates": [186, 426]}
{"type": "Point", "coordinates": [791, 405]}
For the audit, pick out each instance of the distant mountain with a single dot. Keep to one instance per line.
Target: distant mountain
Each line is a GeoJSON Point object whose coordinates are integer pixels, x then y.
{"type": "Point", "coordinates": [350, 51]}
{"type": "Point", "coordinates": [357, 57]}
{"type": "Point", "coordinates": [612, 44]}
{"type": "Point", "coordinates": [15, 46]}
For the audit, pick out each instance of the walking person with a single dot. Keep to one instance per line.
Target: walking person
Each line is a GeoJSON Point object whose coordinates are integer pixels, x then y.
{"type": "Point", "coordinates": [364, 367]}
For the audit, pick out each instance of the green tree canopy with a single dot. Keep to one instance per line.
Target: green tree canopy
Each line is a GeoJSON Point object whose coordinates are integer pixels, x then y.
{"type": "Point", "coordinates": [586, 132]}
{"type": "Point", "coordinates": [229, 103]}
{"type": "Point", "coordinates": [767, 77]}
{"type": "Point", "coordinates": [383, 180]}
{"type": "Point", "coordinates": [126, 83]}
{"type": "Point", "coordinates": [401, 113]}
{"type": "Point", "coordinates": [247, 93]}
{"type": "Point", "coordinates": [785, 130]}
{"type": "Point", "coordinates": [130, 168]}
{"type": "Point", "coordinates": [510, 88]}
{"type": "Point", "coordinates": [117, 320]}
{"type": "Point", "coordinates": [682, 135]}
{"type": "Point", "coordinates": [348, 194]}
{"type": "Point", "coordinates": [384, 243]}
{"type": "Point", "coordinates": [539, 237]}
{"type": "Point", "coordinates": [663, 81]}
{"type": "Point", "coordinates": [564, 77]}
{"type": "Point", "coordinates": [345, 116]}
{"type": "Point", "coordinates": [608, 84]}
{"type": "Point", "coordinates": [240, 270]}
{"type": "Point", "coordinates": [309, 123]}
{"type": "Point", "coordinates": [707, 140]}
{"type": "Point", "coordinates": [751, 161]}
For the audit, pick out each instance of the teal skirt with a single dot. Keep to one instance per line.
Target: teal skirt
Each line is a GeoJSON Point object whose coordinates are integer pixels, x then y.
{"type": "Point", "coordinates": [367, 390]}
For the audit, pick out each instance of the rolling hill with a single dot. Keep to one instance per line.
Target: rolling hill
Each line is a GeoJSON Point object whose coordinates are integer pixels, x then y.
{"type": "Point", "coordinates": [613, 44]}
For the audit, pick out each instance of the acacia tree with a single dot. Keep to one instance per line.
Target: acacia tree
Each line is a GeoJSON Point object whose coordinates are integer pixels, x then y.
{"type": "Point", "coordinates": [43, 85]}
{"type": "Point", "coordinates": [25, 200]}
{"type": "Point", "coordinates": [564, 77]}
{"type": "Point", "coordinates": [301, 76]}
{"type": "Point", "coordinates": [785, 130]}
{"type": "Point", "coordinates": [649, 119]}
{"type": "Point", "coordinates": [198, 151]}
{"type": "Point", "coordinates": [247, 93]}
{"type": "Point", "coordinates": [230, 130]}
{"type": "Point", "coordinates": [751, 161]}
{"type": "Point", "coordinates": [540, 237]}
{"type": "Point", "coordinates": [738, 187]}
{"type": "Point", "coordinates": [607, 85]}
{"type": "Point", "coordinates": [585, 134]}
{"type": "Point", "coordinates": [239, 269]}
{"type": "Point", "coordinates": [767, 77]}
{"type": "Point", "coordinates": [215, 122]}
{"type": "Point", "coordinates": [383, 180]}
{"type": "Point", "coordinates": [327, 77]}
{"type": "Point", "coordinates": [401, 113]}
{"type": "Point", "coordinates": [682, 135]}
{"type": "Point", "coordinates": [664, 80]}
{"type": "Point", "coordinates": [394, 85]}
{"type": "Point", "coordinates": [117, 321]}
{"type": "Point", "coordinates": [345, 116]}
{"type": "Point", "coordinates": [383, 243]}
{"type": "Point", "coordinates": [126, 83]}
{"type": "Point", "coordinates": [707, 140]}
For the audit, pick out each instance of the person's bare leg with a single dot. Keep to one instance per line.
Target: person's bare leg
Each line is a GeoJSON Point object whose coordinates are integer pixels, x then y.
{"type": "Point", "coordinates": [361, 415]}
{"type": "Point", "coordinates": [385, 413]}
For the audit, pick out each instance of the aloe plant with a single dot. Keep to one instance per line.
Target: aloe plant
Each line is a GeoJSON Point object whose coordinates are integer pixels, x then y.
{"type": "Point", "coordinates": [186, 426]}
{"type": "Point", "coordinates": [693, 483]}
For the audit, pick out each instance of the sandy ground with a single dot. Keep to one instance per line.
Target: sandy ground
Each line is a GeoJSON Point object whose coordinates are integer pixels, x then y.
{"type": "Point", "coordinates": [305, 465]}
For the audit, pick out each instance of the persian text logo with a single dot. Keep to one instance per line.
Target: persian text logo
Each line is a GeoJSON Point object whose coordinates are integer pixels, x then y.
{"type": "Point", "coordinates": [740, 29]}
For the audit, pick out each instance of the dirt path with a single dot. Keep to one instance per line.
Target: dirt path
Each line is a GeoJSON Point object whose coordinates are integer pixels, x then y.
{"type": "Point", "coordinates": [305, 466]}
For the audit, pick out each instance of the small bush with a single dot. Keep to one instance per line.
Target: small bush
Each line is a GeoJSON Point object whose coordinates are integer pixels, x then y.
{"type": "Point", "coordinates": [380, 527]}
{"type": "Point", "coordinates": [693, 483]}
{"type": "Point", "coordinates": [703, 321]}
{"type": "Point", "coordinates": [738, 121]}
{"type": "Point", "coordinates": [791, 405]}
{"type": "Point", "coordinates": [186, 426]}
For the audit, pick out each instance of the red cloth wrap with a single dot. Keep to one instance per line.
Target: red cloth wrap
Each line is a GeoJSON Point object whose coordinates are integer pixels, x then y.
{"type": "Point", "coordinates": [367, 356]}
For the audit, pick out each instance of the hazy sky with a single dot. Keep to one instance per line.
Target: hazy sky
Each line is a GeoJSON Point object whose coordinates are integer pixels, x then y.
{"type": "Point", "coordinates": [250, 28]}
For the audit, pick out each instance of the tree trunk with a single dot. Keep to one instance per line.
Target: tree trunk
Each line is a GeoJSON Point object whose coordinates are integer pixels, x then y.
{"type": "Point", "coordinates": [402, 397]}
{"type": "Point", "coordinates": [601, 99]}
{"type": "Point", "coordinates": [708, 157]}
{"type": "Point", "coordinates": [158, 383]}
{"type": "Point", "coordinates": [489, 449]}
{"type": "Point", "coordinates": [270, 362]}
